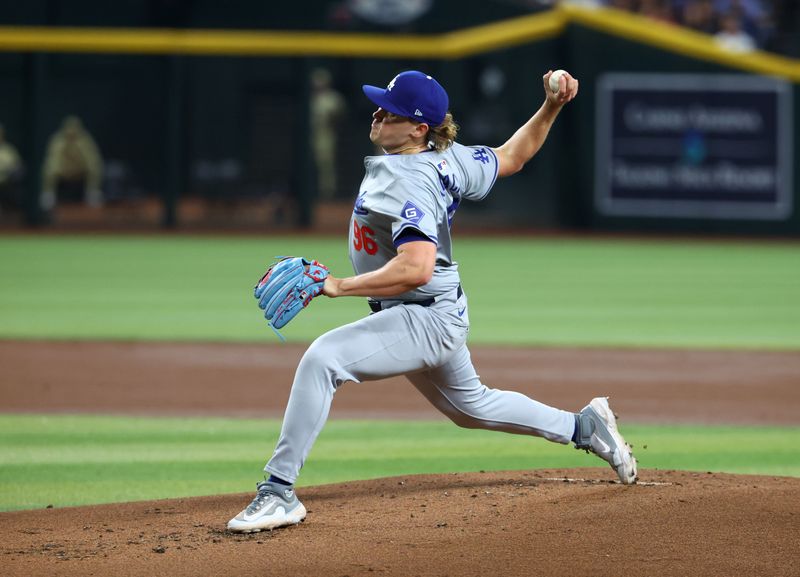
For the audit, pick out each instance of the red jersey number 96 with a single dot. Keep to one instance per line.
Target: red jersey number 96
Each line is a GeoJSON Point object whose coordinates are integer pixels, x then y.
{"type": "Point", "coordinates": [364, 238]}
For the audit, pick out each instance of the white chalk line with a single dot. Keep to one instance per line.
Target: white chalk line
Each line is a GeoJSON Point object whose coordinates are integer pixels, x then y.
{"type": "Point", "coordinates": [601, 482]}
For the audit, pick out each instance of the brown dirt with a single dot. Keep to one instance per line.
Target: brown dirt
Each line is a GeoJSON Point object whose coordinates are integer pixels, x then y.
{"type": "Point", "coordinates": [518, 524]}
{"type": "Point", "coordinates": [521, 523]}
{"type": "Point", "coordinates": [254, 380]}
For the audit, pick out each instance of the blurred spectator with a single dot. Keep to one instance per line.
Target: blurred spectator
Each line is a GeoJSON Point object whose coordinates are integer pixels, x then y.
{"type": "Point", "coordinates": [699, 15]}
{"type": "Point", "coordinates": [754, 17]}
{"type": "Point", "coordinates": [10, 173]}
{"type": "Point", "coordinates": [660, 10]}
{"type": "Point", "coordinates": [73, 167]}
{"type": "Point", "coordinates": [731, 36]}
{"type": "Point", "coordinates": [327, 111]}
{"type": "Point", "coordinates": [627, 5]}
{"type": "Point", "coordinates": [739, 25]}
{"type": "Point", "coordinates": [749, 9]}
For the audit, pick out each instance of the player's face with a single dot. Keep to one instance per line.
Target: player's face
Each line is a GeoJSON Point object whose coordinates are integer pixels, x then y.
{"type": "Point", "coordinates": [392, 132]}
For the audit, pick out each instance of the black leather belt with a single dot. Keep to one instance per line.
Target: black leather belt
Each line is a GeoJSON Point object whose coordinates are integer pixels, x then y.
{"type": "Point", "coordinates": [377, 307]}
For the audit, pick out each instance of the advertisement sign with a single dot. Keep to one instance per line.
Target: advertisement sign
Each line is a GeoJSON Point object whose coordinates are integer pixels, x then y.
{"type": "Point", "coordinates": [694, 146]}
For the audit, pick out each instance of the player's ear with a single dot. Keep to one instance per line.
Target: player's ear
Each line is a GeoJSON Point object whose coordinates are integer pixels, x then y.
{"type": "Point", "coordinates": [421, 130]}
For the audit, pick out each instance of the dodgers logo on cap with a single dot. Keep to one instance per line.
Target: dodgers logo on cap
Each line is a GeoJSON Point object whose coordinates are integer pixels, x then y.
{"type": "Point", "coordinates": [412, 94]}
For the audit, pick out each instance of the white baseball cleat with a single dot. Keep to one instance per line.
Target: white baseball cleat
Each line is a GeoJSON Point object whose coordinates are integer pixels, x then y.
{"type": "Point", "coordinates": [597, 432]}
{"type": "Point", "coordinates": [275, 505]}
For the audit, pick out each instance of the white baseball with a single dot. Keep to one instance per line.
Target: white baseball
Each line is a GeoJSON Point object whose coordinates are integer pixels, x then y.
{"type": "Point", "coordinates": [554, 80]}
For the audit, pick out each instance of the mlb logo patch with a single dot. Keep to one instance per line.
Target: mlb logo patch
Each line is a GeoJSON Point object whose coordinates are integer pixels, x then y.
{"type": "Point", "coordinates": [411, 212]}
{"type": "Point", "coordinates": [442, 166]}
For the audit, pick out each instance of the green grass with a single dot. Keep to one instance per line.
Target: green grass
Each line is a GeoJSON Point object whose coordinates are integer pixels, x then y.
{"type": "Point", "coordinates": [522, 291]}
{"type": "Point", "coordinates": [74, 460]}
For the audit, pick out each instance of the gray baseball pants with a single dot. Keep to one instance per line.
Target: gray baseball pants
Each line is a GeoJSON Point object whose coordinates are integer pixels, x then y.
{"type": "Point", "coordinates": [428, 346]}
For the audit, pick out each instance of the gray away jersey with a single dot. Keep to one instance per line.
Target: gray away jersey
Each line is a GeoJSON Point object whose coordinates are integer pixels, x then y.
{"type": "Point", "coordinates": [407, 197]}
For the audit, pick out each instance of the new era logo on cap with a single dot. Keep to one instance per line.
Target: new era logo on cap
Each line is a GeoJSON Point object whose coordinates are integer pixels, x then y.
{"type": "Point", "coordinates": [414, 95]}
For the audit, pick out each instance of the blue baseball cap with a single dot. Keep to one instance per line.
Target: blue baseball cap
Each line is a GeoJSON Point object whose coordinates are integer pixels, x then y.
{"type": "Point", "coordinates": [412, 94]}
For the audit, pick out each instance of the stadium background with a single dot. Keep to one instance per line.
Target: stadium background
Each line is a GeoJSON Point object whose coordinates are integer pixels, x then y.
{"type": "Point", "coordinates": [220, 105]}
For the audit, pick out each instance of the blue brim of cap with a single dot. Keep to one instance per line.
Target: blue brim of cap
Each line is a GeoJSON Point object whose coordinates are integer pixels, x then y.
{"type": "Point", "coordinates": [378, 96]}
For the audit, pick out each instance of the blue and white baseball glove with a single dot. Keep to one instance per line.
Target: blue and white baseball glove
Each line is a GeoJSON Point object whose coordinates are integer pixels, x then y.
{"type": "Point", "coordinates": [287, 288]}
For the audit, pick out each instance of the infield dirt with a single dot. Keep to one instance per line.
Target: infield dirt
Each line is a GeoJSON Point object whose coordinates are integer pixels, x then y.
{"type": "Point", "coordinates": [553, 523]}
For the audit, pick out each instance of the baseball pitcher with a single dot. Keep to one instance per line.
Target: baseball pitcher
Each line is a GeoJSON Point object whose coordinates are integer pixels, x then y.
{"type": "Point", "coordinates": [401, 252]}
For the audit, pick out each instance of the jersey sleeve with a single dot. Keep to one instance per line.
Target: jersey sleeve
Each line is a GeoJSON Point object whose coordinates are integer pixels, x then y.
{"type": "Point", "coordinates": [479, 165]}
{"type": "Point", "coordinates": [413, 210]}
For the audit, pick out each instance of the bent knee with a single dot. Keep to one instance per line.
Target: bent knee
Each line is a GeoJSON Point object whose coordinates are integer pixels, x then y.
{"type": "Point", "coordinates": [463, 420]}
{"type": "Point", "coordinates": [472, 413]}
{"type": "Point", "coordinates": [313, 357]}
{"type": "Point", "coordinates": [322, 359]}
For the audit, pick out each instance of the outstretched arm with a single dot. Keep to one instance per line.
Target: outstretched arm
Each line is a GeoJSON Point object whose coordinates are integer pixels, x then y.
{"type": "Point", "coordinates": [527, 141]}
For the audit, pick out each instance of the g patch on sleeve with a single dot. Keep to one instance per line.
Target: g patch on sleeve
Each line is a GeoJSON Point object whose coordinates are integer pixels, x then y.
{"type": "Point", "coordinates": [411, 212]}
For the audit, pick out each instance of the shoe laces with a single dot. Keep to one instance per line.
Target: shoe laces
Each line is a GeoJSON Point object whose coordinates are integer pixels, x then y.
{"type": "Point", "coordinates": [264, 495]}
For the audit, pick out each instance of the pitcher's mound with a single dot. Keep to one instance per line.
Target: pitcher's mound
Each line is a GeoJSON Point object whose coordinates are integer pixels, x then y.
{"type": "Point", "coordinates": [554, 523]}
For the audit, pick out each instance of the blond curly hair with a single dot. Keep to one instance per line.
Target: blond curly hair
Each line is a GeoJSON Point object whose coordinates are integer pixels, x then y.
{"type": "Point", "coordinates": [442, 137]}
